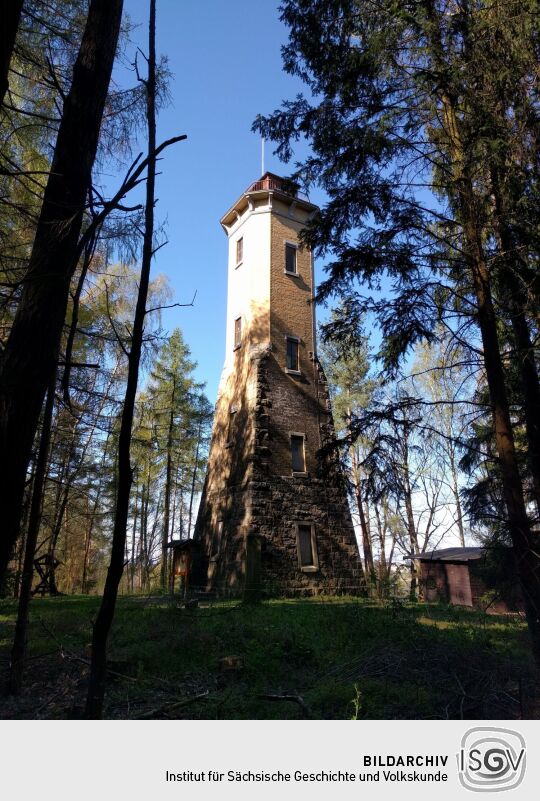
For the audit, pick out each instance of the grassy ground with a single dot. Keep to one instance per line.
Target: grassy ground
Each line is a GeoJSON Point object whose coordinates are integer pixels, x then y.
{"type": "Point", "coordinates": [332, 658]}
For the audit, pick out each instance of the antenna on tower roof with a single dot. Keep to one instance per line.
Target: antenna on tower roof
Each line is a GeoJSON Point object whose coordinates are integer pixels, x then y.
{"type": "Point", "coordinates": [262, 155]}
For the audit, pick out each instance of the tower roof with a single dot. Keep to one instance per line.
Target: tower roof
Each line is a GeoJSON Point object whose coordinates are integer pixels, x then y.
{"type": "Point", "coordinates": [276, 183]}
{"type": "Point", "coordinates": [268, 184]}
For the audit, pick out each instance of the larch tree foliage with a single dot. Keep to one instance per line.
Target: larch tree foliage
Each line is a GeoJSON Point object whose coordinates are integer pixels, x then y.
{"type": "Point", "coordinates": [424, 128]}
{"type": "Point", "coordinates": [40, 72]}
{"type": "Point", "coordinates": [176, 401]}
{"type": "Point", "coordinates": [30, 354]}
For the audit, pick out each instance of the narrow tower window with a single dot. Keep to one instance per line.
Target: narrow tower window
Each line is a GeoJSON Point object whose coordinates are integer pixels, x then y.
{"type": "Point", "coordinates": [306, 546]}
{"type": "Point", "coordinates": [216, 539]}
{"type": "Point", "coordinates": [239, 251]}
{"type": "Point", "coordinates": [230, 427]}
{"type": "Point", "coordinates": [290, 258]}
{"type": "Point", "coordinates": [298, 457]}
{"type": "Point", "coordinates": [237, 332]}
{"type": "Point", "coordinates": [292, 354]}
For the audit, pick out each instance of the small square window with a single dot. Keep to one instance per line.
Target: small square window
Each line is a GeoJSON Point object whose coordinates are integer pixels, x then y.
{"type": "Point", "coordinates": [298, 457]}
{"type": "Point", "coordinates": [306, 546]}
{"type": "Point", "coordinates": [239, 250]}
{"type": "Point", "coordinates": [292, 354]}
{"type": "Point", "coordinates": [237, 332]}
{"type": "Point", "coordinates": [290, 258]}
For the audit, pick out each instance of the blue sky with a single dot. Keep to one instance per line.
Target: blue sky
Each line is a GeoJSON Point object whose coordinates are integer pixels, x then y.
{"type": "Point", "coordinates": [226, 64]}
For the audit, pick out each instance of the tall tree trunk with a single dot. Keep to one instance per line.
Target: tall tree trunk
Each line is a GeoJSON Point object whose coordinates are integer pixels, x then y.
{"type": "Point", "coordinates": [18, 651]}
{"type": "Point", "coordinates": [516, 299]}
{"type": "Point", "coordinates": [24, 531]}
{"type": "Point", "coordinates": [524, 545]}
{"type": "Point", "coordinates": [102, 625]}
{"type": "Point", "coordinates": [64, 488]}
{"type": "Point", "coordinates": [133, 540]}
{"type": "Point", "coordinates": [90, 531]}
{"type": "Point", "coordinates": [194, 478]}
{"type": "Point", "coordinates": [167, 508]}
{"type": "Point", "coordinates": [525, 549]}
{"type": "Point", "coordinates": [11, 16]}
{"type": "Point", "coordinates": [28, 359]}
{"type": "Point", "coordinates": [144, 537]}
{"type": "Point", "coordinates": [53, 543]}
{"type": "Point", "coordinates": [457, 499]}
{"type": "Point", "coordinates": [531, 396]}
{"type": "Point", "coordinates": [414, 588]}
{"type": "Point", "coordinates": [382, 588]}
{"type": "Point", "coordinates": [366, 538]}
{"type": "Point", "coordinates": [381, 534]}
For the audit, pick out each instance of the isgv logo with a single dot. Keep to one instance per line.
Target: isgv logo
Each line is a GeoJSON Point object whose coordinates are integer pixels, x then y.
{"type": "Point", "coordinates": [491, 759]}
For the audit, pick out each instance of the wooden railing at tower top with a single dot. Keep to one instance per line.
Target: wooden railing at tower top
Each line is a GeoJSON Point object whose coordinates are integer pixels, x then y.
{"type": "Point", "coordinates": [274, 182]}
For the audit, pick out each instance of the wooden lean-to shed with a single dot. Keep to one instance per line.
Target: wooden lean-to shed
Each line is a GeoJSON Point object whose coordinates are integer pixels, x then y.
{"type": "Point", "coordinates": [459, 576]}
{"type": "Point", "coordinates": [182, 557]}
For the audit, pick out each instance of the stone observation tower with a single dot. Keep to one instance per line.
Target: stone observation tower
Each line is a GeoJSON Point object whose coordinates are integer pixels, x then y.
{"type": "Point", "coordinates": [265, 481]}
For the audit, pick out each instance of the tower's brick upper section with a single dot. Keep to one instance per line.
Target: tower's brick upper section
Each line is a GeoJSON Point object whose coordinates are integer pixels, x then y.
{"type": "Point", "coordinates": [265, 402]}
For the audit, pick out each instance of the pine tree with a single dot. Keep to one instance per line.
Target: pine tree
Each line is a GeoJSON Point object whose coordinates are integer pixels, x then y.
{"type": "Point", "coordinates": [407, 142]}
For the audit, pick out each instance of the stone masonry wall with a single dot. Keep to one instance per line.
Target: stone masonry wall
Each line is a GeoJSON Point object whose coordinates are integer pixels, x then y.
{"type": "Point", "coordinates": [250, 487]}
{"type": "Point", "coordinates": [271, 505]}
{"type": "Point", "coordinates": [279, 501]}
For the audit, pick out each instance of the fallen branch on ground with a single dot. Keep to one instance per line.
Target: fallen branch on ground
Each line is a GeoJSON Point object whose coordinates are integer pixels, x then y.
{"type": "Point", "coordinates": [296, 699]}
{"type": "Point", "coordinates": [168, 707]}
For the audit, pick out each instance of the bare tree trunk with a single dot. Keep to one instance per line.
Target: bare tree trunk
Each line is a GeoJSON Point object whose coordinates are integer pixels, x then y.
{"type": "Point", "coordinates": [457, 499]}
{"type": "Point", "coordinates": [144, 538]}
{"type": "Point", "coordinates": [355, 475]}
{"type": "Point", "coordinates": [65, 484]}
{"type": "Point", "coordinates": [102, 625]}
{"type": "Point", "coordinates": [24, 531]}
{"type": "Point", "coordinates": [151, 540]}
{"type": "Point", "coordinates": [29, 357]}
{"type": "Point", "coordinates": [411, 525]}
{"type": "Point", "coordinates": [133, 539]}
{"type": "Point", "coordinates": [182, 515]}
{"type": "Point", "coordinates": [167, 507]}
{"type": "Point", "coordinates": [88, 541]}
{"type": "Point", "coordinates": [175, 505]}
{"type": "Point", "coordinates": [381, 536]}
{"type": "Point", "coordinates": [59, 520]}
{"type": "Point", "coordinates": [194, 478]}
{"type": "Point", "coordinates": [11, 15]}
{"type": "Point", "coordinates": [366, 539]}
{"type": "Point", "coordinates": [18, 651]}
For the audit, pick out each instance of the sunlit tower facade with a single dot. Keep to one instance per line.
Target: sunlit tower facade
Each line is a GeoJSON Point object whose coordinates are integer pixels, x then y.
{"type": "Point", "coordinates": [266, 478]}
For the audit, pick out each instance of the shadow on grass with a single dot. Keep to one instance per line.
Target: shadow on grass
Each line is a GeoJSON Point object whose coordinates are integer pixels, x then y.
{"type": "Point", "coordinates": [330, 658]}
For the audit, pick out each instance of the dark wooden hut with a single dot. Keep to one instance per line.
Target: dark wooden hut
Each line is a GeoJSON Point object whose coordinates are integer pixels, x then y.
{"type": "Point", "coordinates": [462, 576]}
